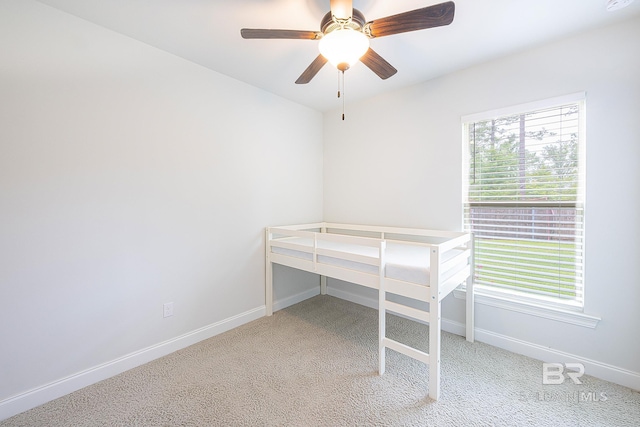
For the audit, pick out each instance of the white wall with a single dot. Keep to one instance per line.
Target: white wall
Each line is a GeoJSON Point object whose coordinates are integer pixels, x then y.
{"type": "Point", "coordinates": [130, 178]}
{"type": "Point", "coordinates": [396, 160]}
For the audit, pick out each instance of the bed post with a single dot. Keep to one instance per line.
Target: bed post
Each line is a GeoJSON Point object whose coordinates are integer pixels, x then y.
{"type": "Point", "coordinates": [470, 297]}
{"type": "Point", "coordinates": [434, 325]}
{"type": "Point", "coordinates": [382, 312]}
{"type": "Point", "coordinates": [268, 288]}
{"type": "Point", "coordinates": [323, 279]}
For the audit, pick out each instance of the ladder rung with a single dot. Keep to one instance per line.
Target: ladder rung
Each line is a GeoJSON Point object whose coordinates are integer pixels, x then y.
{"type": "Point", "coordinates": [406, 350]}
{"type": "Point", "coordinates": [412, 313]}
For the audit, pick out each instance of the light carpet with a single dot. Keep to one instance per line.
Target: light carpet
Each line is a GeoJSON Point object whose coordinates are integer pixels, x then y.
{"type": "Point", "coordinates": [315, 364]}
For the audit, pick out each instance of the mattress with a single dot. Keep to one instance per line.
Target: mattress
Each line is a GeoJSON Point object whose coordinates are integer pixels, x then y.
{"type": "Point", "coordinates": [409, 263]}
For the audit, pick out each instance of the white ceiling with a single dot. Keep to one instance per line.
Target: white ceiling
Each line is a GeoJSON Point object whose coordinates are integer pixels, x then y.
{"type": "Point", "coordinates": [207, 32]}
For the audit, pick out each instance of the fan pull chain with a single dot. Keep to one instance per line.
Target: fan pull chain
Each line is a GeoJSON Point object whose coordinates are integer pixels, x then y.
{"type": "Point", "coordinates": [343, 95]}
{"type": "Point", "coordinates": [341, 89]}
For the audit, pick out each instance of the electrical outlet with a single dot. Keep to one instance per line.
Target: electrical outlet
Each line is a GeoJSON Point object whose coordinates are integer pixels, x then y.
{"type": "Point", "coordinates": [167, 309]}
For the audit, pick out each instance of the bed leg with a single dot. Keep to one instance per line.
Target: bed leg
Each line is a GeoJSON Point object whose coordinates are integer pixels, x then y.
{"type": "Point", "coordinates": [434, 348]}
{"type": "Point", "coordinates": [470, 297]}
{"type": "Point", "coordinates": [470, 310]}
{"type": "Point", "coordinates": [323, 279]}
{"type": "Point", "coordinates": [269, 289]}
{"type": "Point", "coordinates": [382, 327]}
{"type": "Point", "coordinates": [268, 285]}
{"type": "Point", "coordinates": [382, 308]}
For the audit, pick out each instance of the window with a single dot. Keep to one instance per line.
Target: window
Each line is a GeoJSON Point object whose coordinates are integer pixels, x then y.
{"type": "Point", "coordinates": [524, 201]}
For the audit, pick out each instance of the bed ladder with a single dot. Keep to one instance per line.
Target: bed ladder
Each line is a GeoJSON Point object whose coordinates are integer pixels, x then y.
{"type": "Point", "coordinates": [432, 317]}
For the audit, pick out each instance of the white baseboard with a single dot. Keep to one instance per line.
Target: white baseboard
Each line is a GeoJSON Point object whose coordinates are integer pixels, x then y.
{"type": "Point", "coordinates": [40, 395]}
{"type": "Point", "coordinates": [594, 368]}
{"type": "Point", "coordinates": [294, 299]}
{"type": "Point", "coordinates": [349, 296]}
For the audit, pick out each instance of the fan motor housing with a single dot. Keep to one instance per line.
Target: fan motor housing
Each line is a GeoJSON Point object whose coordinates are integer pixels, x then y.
{"type": "Point", "coordinates": [356, 22]}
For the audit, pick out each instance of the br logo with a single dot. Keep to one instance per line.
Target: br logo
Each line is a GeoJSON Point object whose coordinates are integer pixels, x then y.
{"type": "Point", "coordinates": [553, 373]}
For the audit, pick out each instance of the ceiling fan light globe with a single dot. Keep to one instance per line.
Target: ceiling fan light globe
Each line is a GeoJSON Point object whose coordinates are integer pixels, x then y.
{"type": "Point", "coordinates": [344, 46]}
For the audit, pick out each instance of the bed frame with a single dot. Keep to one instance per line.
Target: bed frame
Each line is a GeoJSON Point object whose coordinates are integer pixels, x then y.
{"type": "Point", "coordinates": [308, 246]}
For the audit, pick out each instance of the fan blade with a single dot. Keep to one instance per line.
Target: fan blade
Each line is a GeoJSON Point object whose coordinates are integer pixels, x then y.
{"type": "Point", "coordinates": [419, 19]}
{"type": "Point", "coordinates": [342, 9]}
{"type": "Point", "coordinates": [378, 65]}
{"type": "Point", "coordinates": [311, 70]}
{"type": "Point", "coordinates": [257, 33]}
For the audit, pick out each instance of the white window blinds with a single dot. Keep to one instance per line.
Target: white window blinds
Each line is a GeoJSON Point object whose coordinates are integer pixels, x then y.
{"type": "Point", "coordinates": [524, 201]}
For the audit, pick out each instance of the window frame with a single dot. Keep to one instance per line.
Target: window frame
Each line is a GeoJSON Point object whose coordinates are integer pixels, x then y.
{"type": "Point", "coordinates": [570, 311]}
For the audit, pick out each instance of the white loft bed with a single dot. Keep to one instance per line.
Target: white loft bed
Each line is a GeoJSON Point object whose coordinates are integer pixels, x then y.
{"type": "Point", "coordinates": [424, 265]}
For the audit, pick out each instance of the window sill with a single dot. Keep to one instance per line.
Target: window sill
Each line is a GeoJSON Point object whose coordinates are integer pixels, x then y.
{"type": "Point", "coordinates": [531, 308]}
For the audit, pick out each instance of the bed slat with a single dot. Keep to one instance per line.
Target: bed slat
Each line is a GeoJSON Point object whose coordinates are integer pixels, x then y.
{"type": "Point", "coordinates": [292, 246]}
{"type": "Point", "coordinates": [311, 226]}
{"type": "Point", "coordinates": [458, 259]}
{"type": "Point", "coordinates": [349, 256]}
{"type": "Point", "coordinates": [353, 276]}
{"type": "Point", "coordinates": [410, 312]}
{"type": "Point", "coordinates": [406, 289]}
{"type": "Point", "coordinates": [454, 281]}
{"type": "Point", "coordinates": [290, 261]}
{"type": "Point", "coordinates": [354, 240]}
{"type": "Point", "coordinates": [291, 233]}
{"type": "Point", "coordinates": [394, 230]}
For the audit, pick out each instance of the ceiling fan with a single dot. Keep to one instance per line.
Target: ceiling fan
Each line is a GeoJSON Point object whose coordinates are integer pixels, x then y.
{"type": "Point", "coordinates": [344, 35]}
